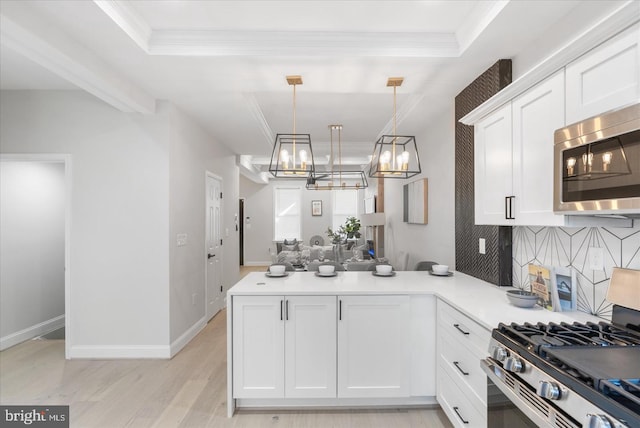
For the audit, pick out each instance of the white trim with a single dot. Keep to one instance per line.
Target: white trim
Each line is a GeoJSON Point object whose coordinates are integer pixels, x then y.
{"type": "Point", "coordinates": [68, 186]}
{"type": "Point", "coordinates": [329, 403]}
{"type": "Point", "coordinates": [32, 332]}
{"type": "Point", "coordinates": [186, 337]}
{"type": "Point", "coordinates": [128, 20]}
{"type": "Point", "coordinates": [619, 20]}
{"type": "Point", "coordinates": [120, 351]}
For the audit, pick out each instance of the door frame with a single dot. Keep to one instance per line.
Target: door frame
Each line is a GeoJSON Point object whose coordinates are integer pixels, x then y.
{"type": "Point", "coordinates": [207, 175]}
{"type": "Point", "coordinates": [65, 159]}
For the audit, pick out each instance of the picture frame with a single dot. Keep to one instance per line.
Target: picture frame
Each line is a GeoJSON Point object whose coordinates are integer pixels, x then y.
{"type": "Point", "coordinates": [564, 281]}
{"type": "Point", "coordinates": [316, 208]}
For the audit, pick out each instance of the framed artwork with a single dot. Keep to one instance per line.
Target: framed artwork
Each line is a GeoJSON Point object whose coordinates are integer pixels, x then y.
{"type": "Point", "coordinates": [316, 208]}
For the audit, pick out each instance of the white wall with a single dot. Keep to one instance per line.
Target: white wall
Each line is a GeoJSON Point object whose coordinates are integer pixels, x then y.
{"type": "Point", "coordinates": [119, 281]}
{"type": "Point", "coordinates": [192, 154]}
{"type": "Point", "coordinates": [32, 209]}
{"type": "Point", "coordinates": [435, 240]}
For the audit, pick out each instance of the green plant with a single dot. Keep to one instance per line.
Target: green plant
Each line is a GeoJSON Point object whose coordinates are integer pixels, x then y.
{"type": "Point", "coordinates": [349, 230]}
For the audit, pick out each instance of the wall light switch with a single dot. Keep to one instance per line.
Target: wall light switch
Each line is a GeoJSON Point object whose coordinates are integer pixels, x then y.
{"type": "Point", "coordinates": [482, 246]}
{"type": "Point", "coordinates": [181, 239]}
{"type": "Point", "coordinates": [596, 258]}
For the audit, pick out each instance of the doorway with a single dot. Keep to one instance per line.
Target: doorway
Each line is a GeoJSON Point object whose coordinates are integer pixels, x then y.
{"type": "Point", "coordinates": [241, 230]}
{"type": "Point", "coordinates": [213, 241]}
{"type": "Point", "coordinates": [35, 211]}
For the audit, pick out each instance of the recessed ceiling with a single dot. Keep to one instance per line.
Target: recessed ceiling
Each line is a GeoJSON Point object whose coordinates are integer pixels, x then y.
{"type": "Point", "coordinates": [224, 62]}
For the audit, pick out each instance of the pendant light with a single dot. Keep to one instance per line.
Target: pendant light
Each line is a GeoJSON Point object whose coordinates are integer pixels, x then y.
{"type": "Point", "coordinates": [292, 156]}
{"type": "Point", "coordinates": [342, 178]}
{"type": "Point", "coordinates": [395, 156]}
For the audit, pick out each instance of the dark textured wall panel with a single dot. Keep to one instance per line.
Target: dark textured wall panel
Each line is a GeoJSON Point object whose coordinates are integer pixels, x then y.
{"type": "Point", "coordinates": [496, 265]}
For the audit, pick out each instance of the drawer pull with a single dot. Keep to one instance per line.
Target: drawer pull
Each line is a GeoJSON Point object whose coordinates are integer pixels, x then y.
{"type": "Point", "coordinates": [455, 409]}
{"type": "Point", "coordinates": [456, 363]}
{"type": "Point", "coordinates": [461, 330]}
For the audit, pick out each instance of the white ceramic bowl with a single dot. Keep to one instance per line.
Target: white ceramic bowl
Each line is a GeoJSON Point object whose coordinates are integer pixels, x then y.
{"type": "Point", "coordinates": [440, 269]}
{"type": "Point", "coordinates": [326, 269]}
{"type": "Point", "coordinates": [276, 269]}
{"type": "Point", "coordinates": [383, 269]}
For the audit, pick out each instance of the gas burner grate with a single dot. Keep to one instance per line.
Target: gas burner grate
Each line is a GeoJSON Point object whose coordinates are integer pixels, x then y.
{"type": "Point", "coordinates": [624, 391]}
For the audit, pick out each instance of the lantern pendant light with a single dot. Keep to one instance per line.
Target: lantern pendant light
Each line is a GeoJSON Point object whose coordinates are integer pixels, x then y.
{"type": "Point", "coordinates": [395, 156]}
{"type": "Point", "coordinates": [292, 156]}
{"type": "Point", "coordinates": [343, 178]}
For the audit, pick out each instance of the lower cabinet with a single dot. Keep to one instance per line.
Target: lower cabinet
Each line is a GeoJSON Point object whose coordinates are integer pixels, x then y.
{"type": "Point", "coordinates": [308, 347]}
{"type": "Point", "coordinates": [462, 385]}
{"type": "Point", "coordinates": [373, 346]}
{"type": "Point", "coordinates": [269, 330]}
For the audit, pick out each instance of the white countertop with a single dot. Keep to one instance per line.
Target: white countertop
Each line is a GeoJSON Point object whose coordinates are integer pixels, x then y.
{"type": "Point", "coordinates": [485, 303]}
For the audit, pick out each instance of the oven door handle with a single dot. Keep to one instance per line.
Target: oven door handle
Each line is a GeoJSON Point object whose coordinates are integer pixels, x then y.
{"type": "Point", "coordinates": [497, 375]}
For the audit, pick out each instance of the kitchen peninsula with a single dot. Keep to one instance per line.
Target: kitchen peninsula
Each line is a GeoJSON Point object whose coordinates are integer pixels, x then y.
{"type": "Point", "coordinates": [358, 340]}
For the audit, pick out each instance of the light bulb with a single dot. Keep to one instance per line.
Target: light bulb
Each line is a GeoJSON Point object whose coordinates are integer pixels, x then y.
{"type": "Point", "coordinates": [385, 160]}
{"type": "Point", "coordinates": [606, 160]}
{"type": "Point", "coordinates": [587, 161]}
{"type": "Point", "coordinates": [303, 159]}
{"type": "Point", "coordinates": [405, 160]}
{"type": "Point", "coordinates": [571, 162]}
{"type": "Point", "coordinates": [284, 156]}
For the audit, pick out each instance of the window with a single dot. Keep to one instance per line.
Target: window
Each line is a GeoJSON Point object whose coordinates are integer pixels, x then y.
{"type": "Point", "coordinates": [345, 204]}
{"type": "Point", "coordinates": [286, 213]}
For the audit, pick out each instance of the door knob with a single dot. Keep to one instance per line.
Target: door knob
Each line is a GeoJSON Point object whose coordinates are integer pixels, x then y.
{"type": "Point", "coordinates": [210, 255]}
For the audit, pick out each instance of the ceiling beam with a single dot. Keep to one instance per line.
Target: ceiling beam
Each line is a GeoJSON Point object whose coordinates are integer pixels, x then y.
{"type": "Point", "coordinates": [55, 51]}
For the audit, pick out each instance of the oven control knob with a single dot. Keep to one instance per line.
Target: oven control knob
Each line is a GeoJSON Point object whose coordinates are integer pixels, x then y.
{"type": "Point", "coordinates": [598, 421]}
{"type": "Point", "coordinates": [514, 365]}
{"type": "Point", "coordinates": [499, 353]}
{"type": "Point", "coordinates": [549, 390]}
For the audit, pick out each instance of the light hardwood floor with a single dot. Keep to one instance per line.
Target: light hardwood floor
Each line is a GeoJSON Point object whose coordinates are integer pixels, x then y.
{"type": "Point", "coordinates": [186, 391]}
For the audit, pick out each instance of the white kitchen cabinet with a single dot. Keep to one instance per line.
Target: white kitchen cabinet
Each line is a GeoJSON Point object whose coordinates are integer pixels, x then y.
{"type": "Point", "coordinates": [258, 347]}
{"type": "Point", "coordinates": [605, 78]}
{"type": "Point", "coordinates": [493, 167]}
{"type": "Point", "coordinates": [514, 158]}
{"type": "Point", "coordinates": [462, 385]}
{"type": "Point", "coordinates": [310, 346]}
{"type": "Point", "coordinates": [272, 330]}
{"type": "Point", "coordinates": [374, 346]}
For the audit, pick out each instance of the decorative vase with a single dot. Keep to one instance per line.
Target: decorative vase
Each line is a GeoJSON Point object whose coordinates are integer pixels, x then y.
{"type": "Point", "coordinates": [338, 252]}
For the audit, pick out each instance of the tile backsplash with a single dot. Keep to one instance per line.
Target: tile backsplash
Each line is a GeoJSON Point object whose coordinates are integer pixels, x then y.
{"type": "Point", "coordinates": [569, 247]}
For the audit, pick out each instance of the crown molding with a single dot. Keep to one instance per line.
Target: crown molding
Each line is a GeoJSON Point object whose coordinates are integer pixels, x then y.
{"type": "Point", "coordinates": [302, 43]}
{"type": "Point", "coordinates": [126, 17]}
{"type": "Point", "coordinates": [403, 113]}
{"type": "Point", "coordinates": [261, 121]}
{"type": "Point", "coordinates": [622, 18]}
{"type": "Point", "coordinates": [476, 23]}
{"type": "Point", "coordinates": [71, 61]}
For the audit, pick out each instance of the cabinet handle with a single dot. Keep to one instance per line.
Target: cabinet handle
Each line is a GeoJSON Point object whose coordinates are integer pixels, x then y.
{"type": "Point", "coordinates": [286, 310]}
{"type": "Point", "coordinates": [456, 363]}
{"type": "Point", "coordinates": [508, 207]}
{"type": "Point", "coordinates": [339, 310]}
{"type": "Point", "coordinates": [455, 409]}
{"type": "Point", "coordinates": [281, 309]}
{"type": "Point", "coordinates": [461, 330]}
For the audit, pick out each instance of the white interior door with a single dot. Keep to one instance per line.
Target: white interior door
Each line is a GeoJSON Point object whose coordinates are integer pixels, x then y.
{"type": "Point", "coordinates": [215, 289]}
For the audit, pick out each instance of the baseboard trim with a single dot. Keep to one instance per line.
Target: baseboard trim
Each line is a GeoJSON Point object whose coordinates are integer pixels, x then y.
{"type": "Point", "coordinates": [31, 332]}
{"type": "Point", "coordinates": [265, 263]}
{"type": "Point", "coordinates": [187, 336]}
{"type": "Point", "coordinates": [119, 352]}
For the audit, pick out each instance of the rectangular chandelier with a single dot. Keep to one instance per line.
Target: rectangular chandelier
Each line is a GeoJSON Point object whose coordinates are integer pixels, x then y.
{"type": "Point", "coordinates": [292, 156]}
{"type": "Point", "coordinates": [337, 180]}
{"type": "Point", "coordinates": [395, 156]}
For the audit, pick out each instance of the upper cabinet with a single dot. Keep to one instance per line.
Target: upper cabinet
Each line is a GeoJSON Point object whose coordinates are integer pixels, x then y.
{"type": "Point", "coordinates": [514, 158]}
{"type": "Point", "coordinates": [605, 78]}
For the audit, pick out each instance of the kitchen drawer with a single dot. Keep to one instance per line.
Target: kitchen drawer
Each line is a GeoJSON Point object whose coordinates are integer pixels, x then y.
{"type": "Point", "coordinates": [454, 324]}
{"type": "Point", "coordinates": [463, 366]}
{"type": "Point", "coordinates": [457, 406]}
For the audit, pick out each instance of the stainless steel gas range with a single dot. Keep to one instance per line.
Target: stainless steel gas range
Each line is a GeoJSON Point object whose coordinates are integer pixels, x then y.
{"type": "Point", "coordinates": [571, 375]}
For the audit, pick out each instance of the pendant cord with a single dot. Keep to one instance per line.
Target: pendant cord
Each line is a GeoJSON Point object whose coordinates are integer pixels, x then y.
{"type": "Point", "coordinates": [294, 127]}
{"type": "Point", "coordinates": [393, 146]}
{"type": "Point", "coordinates": [340, 155]}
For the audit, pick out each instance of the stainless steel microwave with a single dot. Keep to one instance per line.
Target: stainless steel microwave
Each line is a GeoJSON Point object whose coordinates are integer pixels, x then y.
{"type": "Point", "coordinates": [597, 164]}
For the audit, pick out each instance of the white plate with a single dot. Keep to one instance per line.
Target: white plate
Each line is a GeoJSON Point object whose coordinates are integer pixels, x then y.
{"type": "Point", "coordinates": [383, 274]}
{"type": "Point", "coordinates": [440, 274]}
{"type": "Point", "coordinates": [276, 275]}
{"type": "Point", "coordinates": [326, 274]}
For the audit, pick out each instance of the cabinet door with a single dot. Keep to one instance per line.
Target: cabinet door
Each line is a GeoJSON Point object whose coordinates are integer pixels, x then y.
{"type": "Point", "coordinates": [373, 346]}
{"type": "Point", "coordinates": [310, 346]}
{"type": "Point", "coordinates": [493, 167]}
{"type": "Point", "coordinates": [258, 347]}
{"type": "Point", "coordinates": [605, 78]}
{"type": "Point", "coordinates": [536, 115]}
